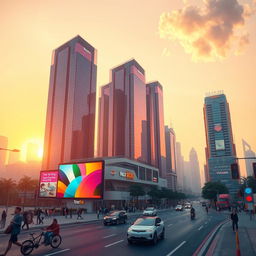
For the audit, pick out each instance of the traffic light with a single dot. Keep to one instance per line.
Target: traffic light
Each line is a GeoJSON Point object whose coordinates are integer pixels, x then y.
{"type": "Point", "coordinates": [248, 195]}
{"type": "Point", "coordinates": [254, 169]}
{"type": "Point", "coordinates": [235, 171]}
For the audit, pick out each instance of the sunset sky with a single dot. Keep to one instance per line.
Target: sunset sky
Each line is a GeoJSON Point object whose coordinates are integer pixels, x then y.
{"type": "Point", "coordinates": [192, 47]}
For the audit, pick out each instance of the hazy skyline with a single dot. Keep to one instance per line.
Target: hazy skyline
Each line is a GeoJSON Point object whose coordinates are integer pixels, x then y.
{"type": "Point", "coordinates": [30, 30]}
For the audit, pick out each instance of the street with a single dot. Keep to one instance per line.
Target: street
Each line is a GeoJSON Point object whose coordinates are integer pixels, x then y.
{"type": "Point", "coordinates": [182, 237]}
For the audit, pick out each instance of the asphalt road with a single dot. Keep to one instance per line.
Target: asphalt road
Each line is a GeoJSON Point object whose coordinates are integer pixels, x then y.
{"type": "Point", "coordinates": [182, 237]}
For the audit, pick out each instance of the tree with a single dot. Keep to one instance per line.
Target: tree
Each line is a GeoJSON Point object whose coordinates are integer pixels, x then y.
{"type": "Point", "coordinates": [8, 187]}
{"type": "Point", "coordinates": [136, 191]}
{"type": "Point", "coordinates": [212, 189]}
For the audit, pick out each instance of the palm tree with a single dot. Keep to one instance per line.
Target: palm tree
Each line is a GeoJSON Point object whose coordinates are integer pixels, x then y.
{"type": "Point", "coordinates": [7, 185]}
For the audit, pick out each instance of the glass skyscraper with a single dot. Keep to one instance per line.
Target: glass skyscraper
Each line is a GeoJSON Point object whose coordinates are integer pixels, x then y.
{"type": "Point", "coordinates": [220, 150]}
{"type": "Point", "coordinates": [156, 130]}
{"type": "Point", "coordinates": [127, 123]}
{"type": "Point", "coordinates": [70, 120]}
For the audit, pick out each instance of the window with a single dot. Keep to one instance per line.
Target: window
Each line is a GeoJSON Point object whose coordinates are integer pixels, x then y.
{"type": "Point", "coordinates": [142, 173]}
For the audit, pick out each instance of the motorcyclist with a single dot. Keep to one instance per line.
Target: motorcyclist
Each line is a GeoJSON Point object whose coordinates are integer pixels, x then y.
{"type": "Point", "coordinates": [192, 212]}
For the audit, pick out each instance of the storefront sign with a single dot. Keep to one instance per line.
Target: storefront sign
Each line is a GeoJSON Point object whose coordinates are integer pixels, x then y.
{"type": "Point", "coordinates": [222, 172]}
{"type": "Point", "coordinates": [126, 174]}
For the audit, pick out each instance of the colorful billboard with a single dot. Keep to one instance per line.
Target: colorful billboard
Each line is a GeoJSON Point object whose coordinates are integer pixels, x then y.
{"type": "Point", "coordinates": [81, 180]}
{"type": "Point", "coordinates": [48, 183]}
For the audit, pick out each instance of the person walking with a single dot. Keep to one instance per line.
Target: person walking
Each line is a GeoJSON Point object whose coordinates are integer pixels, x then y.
{"type": "Point", "coordinates": [3, 219]}
{"type": "Point", "coordinates": [234, 218]}
{"type": "Point", "coordinates": [206, 209]}
{"type": "Point", "coordinates": [25, 220]}
{"type": "Point", "coordinates": [79, 214]}
{"type": "Point", "coordinates": [14, 229]}
{"type": "Point", "coordinates": [98, 213]}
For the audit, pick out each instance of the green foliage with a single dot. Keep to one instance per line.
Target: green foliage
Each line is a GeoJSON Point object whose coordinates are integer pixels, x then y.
{"type": "Point", "coordinates": [211, 189]}
{"type": "Point", "coordinates": [136, 190]}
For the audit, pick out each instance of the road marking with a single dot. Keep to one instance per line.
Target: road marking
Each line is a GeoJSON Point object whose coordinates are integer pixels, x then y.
{"type": "Point", "coordinates": [174, 250]}
{"type": "Point", "coordinates": [120, 241]}
{"type": "Point", "coordinates": [64, 250]}
{"type": "Point", "coordinates": [109, 236]}
{"type": "Point", "coordinates": [200, 228]}
{"type": "Point", "coordinates": [169, 225]}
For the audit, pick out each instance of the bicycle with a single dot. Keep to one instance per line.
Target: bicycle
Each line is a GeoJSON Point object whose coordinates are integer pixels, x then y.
{"type": "Point", "coordinates": [29, 245]}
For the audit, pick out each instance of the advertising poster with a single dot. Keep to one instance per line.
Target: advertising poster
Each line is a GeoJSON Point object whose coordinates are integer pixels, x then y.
{"type": "Point", "coordinates": [48, 183]}
{"type": "Point", "coordinates": [81, 180]}
{"type": "Point", "coordinates": [220, 144]}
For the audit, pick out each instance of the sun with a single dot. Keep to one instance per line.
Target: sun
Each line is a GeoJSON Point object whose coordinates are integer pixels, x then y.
{"type": "Point", "coordinates": [40, 152]}
{"type": "Point", "coordinates": [36, 150]}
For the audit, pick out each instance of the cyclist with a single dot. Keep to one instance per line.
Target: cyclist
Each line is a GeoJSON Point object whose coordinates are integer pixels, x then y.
{"type": "Point", "coordinates": [53, 229]}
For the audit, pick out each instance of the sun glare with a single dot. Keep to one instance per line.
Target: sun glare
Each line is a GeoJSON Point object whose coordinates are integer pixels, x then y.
{"type": "Point", "coordinates": [33, 147]}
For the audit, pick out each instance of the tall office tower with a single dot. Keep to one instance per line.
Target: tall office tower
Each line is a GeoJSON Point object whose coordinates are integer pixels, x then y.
{"type": "Point", "coordinates": [195, 172]}
{"type": "Point", "coordinates": [103, 122]}
{"type": "Point", "coordinates": [70, 120]}
{"type": "Point", "coordinates": [248, 153]}
{"type": "Point", "coordinates": [179, 167]}
{"type": "Point", "coordinates": [170, 142]}
{"type": "Point", "coordinates": [206, 174]}
{"type": "Point", "coordinates": [156, 130]}
{"type": "Point", "coordinates": [187, 177]}
{"type": "Point", "coordinates": [14, 157]}
{"type": "Point", "coordinates": [3, 153]}
{"type": "Point", "coordinates": [127, 112]}
{"type": "Point", "coordinates": [220, 151]}
{"type": "Point", "coordinates": [32, 152]}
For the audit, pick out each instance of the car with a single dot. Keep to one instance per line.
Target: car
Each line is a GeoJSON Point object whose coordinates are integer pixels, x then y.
{"type": "Point", "coordinates": [115, 217]}
{"type": "Point", "coordinates": [146, 229]}
{"type": "Point", "coordinates": [187, 206]}
{"type": "Point", "coordinates": [203, 204]}
{"type": "Point", "coordinates": [179, 207]}
{"type": "Point", "coordinates": [150, 211]}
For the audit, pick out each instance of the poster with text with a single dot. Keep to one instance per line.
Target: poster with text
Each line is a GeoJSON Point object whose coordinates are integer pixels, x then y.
{"type": "Point", "coordinates": [48, 184]}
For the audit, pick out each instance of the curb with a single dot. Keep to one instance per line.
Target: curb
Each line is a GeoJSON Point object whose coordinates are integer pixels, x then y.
{"type": "Point", "coordinates": [204, 246]}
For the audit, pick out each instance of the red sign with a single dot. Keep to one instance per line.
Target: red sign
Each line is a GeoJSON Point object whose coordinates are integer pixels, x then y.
{"type": "Point", "coordinates": [217, 127]}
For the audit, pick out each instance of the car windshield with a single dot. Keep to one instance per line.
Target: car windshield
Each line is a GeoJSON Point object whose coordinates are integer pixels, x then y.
{"type": "Point", "coordinates": [144, 222]}
{"type": "Point", "coordinates": [150, 209]}
{"type": "Point", "coordinates": [113, 213]}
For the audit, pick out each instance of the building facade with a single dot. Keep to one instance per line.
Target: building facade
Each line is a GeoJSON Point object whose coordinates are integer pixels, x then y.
{"type": "Point", "coordinates": [179, 167]}
{"type": "Point", "coordinates": [220, 150]}
{"type": "Point", "coordinates": [170, 142]}
{"type": "Point", "coordinates": [156, 130]}
{"type": "Point", "coordinates": [127, 123]}
{"type": "Point", "coordinates": [70, 120]}
{"type": "Point", "coordinates": [195, 172]}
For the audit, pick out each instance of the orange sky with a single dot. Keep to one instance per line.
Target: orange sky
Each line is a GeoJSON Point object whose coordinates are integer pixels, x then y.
{"type": "Point", "coordinates": [30, 30]}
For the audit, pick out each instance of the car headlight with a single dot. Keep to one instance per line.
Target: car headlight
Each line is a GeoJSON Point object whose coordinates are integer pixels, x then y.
{"type": "Point", "coordinates": [113, 218]}
{"type": "Point", "coordinates": [129, 229]}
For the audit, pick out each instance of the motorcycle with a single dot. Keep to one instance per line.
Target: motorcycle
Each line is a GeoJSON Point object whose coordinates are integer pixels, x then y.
{"type": "Point", "coordinates": [192, 215]}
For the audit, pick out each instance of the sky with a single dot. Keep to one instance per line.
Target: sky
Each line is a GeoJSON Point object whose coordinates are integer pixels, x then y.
{"type": "Point", "coordinates": [191, 47]}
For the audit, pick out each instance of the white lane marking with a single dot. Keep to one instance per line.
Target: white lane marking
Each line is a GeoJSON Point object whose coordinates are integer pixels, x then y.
{"type": "Point", "coordinates": [169, 225]}
{"type": "Point", "coordinates": [174, 250]}
{"type": "Point", "coordinates": [200, 228]}
{"type": "Point", "coordinates": [108, 245]}
{"type": "Point", "coordinates": [64, 250]}
{"type": "Point", "coordinates": [109, 236]}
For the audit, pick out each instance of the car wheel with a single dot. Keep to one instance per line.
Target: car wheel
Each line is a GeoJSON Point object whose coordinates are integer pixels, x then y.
{"type": "Point", "coordinates": [162, 234]}
{"type": "Point", "coordinates": [154, 241]}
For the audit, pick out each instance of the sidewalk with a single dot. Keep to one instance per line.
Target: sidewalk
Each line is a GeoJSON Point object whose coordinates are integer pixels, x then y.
{"type": "Point", "coordinates": [225, 240]}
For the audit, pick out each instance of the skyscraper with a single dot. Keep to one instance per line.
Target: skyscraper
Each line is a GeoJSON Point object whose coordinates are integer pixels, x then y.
{"type": "Point", "coordinates": [195, 172]}
{"type": "Point", "coordinates": [248, 152]}
{"type": "Point", "coordinates": [170, 142]}
{"type": "Point", "coordinates": [103, 122]}
{"type": "Point", "coordinates": [127, 112]}
{"type": "Point", "coordinates": [3, 153]}
{"type": "Point", "coordinates": [156, 130]}
{"type": "Point", "coordinates": [220, 151]}
{"type": "Point", "coordinates": [179, 167]}
{"type": "Point", "coordinates": [70, 120]}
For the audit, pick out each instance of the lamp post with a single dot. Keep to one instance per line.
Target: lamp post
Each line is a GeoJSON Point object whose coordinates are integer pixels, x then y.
{"type": "Point", "coordinates": [12, 150]}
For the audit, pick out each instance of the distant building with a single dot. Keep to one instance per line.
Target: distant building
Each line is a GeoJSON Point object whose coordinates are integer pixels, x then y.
{"type": "Point", "coordinates": [70, 119]}
{"type": "Point", "coordinates": [170, 142]}
{"type": "Point", "coordinates": [103, 123]}
{"type": "Point", "coordinates": [248, 162]}
{"type": "Point", "coordinates": [3, 153]}
{"type": "Point", "coordinates": [194, 172]}
{"type": "Point", "coordinates": [127, 112]}
{"type": "Point", "coordinates": [220, 151]}
{"type": "Point", "coordinates": [32, 151]}
{"type": "Point", "coordinates": [156, 130]}
{"type": "Point", "coordinates": [206, 174]}
{"type": "Point", "coordinates": [179, 167]}
{"type": "Point", "coordinates": [14, 157]}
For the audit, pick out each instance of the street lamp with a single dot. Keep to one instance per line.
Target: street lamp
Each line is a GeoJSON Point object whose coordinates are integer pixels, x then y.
{"type": "Point", "coordinates": [12, 150]}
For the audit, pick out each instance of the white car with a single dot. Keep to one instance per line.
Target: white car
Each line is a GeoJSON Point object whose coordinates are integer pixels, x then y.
{"type": "Point", "coordinates": [146, 229]}
{"type": "Point", "coordinates": [179, 207]}
{"type": "Point", "coordinates": [150, 211]}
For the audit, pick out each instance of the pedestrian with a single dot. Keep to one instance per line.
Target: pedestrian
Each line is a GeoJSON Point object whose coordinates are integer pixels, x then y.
{"type": "Point", "coordinates": [70, 213]}
{"type": "Point", "coordinates": [79, 214]}
{"type": "Point", "coordinates": [25, 220]}
{"type": "Point", "coordinates": [234, 218]}
{"type": "Point", "coordinates": [98, 213]}
{"type": "Point", "coordinates": [3, 219]}
{"type": "Point", "coordinates": [14, 229]}
{"type": "Point", "coordinates": [206, 209]}
{"type": "Point", "coordinates": [40, 217]}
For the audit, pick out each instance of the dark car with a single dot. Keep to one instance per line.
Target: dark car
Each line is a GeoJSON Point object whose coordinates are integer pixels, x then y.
{"type": "Point", "coordinates": [115, 217]}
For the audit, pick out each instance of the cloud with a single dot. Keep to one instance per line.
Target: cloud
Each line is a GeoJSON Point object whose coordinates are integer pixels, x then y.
{"type": "Point", "coordinates": [208, 33]}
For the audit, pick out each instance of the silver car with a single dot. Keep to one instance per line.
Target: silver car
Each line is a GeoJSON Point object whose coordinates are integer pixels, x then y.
{"type": "Point", "coordinates": [150, 211]}
{"type": "Point", "coordinates": [146, 229]}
